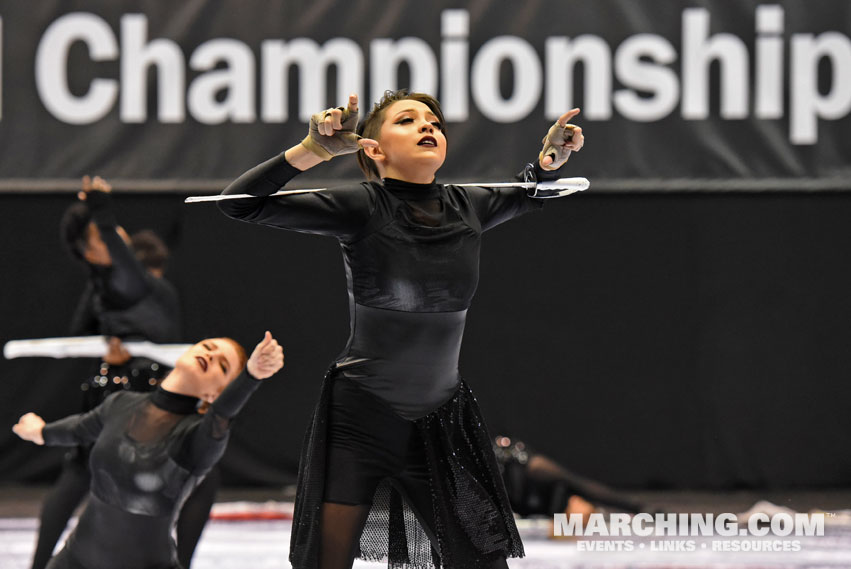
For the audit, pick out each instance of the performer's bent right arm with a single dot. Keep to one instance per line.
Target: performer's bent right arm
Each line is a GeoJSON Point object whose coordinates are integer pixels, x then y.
{"type": "Point", "coordinates": [128, 280]}
{"type": "Point", "coordinates": [340, 212]}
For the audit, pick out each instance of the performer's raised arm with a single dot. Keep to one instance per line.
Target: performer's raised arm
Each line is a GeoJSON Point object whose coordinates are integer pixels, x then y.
{"type": "Point", "coordinates": [207, 443]}
{"type": "Point", "coordinates": [340, 212]}
{"type": "Point", "coordinates": [109, 245]}
{"type": "Point", "coordinates": [497, 205]}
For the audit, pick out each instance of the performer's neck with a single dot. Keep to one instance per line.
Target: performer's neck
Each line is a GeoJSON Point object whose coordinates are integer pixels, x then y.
{"type": "Point", "coordinates": [178, 382]}
{"type": "Point", "coordinates": [414, 175]}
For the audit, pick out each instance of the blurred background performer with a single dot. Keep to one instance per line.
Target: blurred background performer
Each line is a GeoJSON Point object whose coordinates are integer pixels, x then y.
{"type": "Point", "coordinates": [397, 447]}
{"type": "Point", "coordinates": [149, 450]}
{"type": "Point", "coordinates": [126, 297]}
{"type": "Point", "coordinates": [537, 485]}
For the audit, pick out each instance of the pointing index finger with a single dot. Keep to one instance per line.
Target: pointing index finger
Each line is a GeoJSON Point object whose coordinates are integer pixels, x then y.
{"type": "Point", "coordinates": [562, 120]}
{"type": "Point", "coordinates": [353, 103]}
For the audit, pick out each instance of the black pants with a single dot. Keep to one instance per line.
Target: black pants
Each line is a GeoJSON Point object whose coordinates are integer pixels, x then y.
{"type": "Point", "coordinates": [367, 444]}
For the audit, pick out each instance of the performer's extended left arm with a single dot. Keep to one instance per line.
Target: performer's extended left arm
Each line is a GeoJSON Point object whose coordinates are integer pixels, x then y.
{"type": "Point", "coordinates": [79, 429]}
{"type": "Point", "coordinates": [497, 205]}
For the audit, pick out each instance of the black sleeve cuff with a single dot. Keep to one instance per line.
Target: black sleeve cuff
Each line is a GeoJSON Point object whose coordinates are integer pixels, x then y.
{"type": "Point", "coordinates": [100, 205]}
{"type": "Point", "coordinates": [62, 432]}
{"type": "Point", "coordinates": [533, 172]}
{"type": "Point", "coordinates": [283, 172]}
{"type": "Point", "coordinates": [234, 397]}
{"type": "Point", "coordinates": [51, 434]}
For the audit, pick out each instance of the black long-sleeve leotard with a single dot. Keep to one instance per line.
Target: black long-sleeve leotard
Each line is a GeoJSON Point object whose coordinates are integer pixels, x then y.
{"type": "Point", "coordinates": [411, 254]}
{"type": "Point", "coordinates": [150, 450]}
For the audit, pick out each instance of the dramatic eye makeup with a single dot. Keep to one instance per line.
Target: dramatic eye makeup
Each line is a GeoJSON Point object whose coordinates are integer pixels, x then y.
{"type": "Point", "coordinates": [404, 118]}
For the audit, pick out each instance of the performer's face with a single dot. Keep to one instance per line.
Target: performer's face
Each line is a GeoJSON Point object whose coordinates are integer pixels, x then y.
{"type": "Point", "coordinates": [213, 363]}
{"type": "Point", "coordinates": [411, 142]}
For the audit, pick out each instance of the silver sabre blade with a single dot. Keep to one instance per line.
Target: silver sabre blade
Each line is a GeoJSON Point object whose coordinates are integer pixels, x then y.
{"type": "Point", "coordinates": [553, 189]}
{"type": "Point", "coordinates": [90, 347]}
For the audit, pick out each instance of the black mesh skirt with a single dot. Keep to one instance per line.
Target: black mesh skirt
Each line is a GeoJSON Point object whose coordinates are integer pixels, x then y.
{"type": "Point", "coordinates": [473, 521]}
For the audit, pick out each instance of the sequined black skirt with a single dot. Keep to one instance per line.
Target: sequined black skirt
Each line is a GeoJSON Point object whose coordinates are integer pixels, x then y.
{"type": "Point", "coordinates": [474, 524]}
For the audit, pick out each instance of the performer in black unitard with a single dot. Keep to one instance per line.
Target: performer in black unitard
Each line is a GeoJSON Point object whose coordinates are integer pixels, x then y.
{"type": "Point", "coordinates": [397, 449]}
{"type": "Point", "coordinates": [124, 298]}
{"type": "Point", "coordinates": [150, 450]}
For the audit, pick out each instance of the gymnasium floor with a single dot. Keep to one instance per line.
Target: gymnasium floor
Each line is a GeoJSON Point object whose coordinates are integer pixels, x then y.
{"type": "Point", "coordinates": [263, 544]}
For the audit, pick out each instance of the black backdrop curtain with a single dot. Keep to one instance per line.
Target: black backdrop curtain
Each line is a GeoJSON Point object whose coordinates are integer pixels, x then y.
{"type": "Point", "coordinates": [652, 341]}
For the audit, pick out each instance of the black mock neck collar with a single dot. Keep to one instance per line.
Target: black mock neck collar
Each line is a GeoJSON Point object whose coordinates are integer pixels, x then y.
{"type": "Point", "coordinates": [410, 191]}
{"type": "Point", "coordinates": [174, 402]}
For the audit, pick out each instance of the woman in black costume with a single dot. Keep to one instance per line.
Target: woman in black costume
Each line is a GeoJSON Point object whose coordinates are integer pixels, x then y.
{"type": "Point", "coordinates": [126, 297]}
{"type": "Point", "coordinates": [150, 450]}
{"type": "Point", "coordinates": [397, 462]}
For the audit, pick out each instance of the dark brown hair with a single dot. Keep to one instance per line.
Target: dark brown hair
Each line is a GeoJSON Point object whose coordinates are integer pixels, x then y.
{"type": "Point", "coordinates": [74, 229]}
{"type": "Point", "coordinates": [149, 249]}
{"type": "Point", "coordinates": [371, 125]}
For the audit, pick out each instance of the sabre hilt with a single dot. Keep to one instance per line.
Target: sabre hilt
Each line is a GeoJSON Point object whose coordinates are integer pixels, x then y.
{"type": "Point", "coordinates": [558, 188]}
